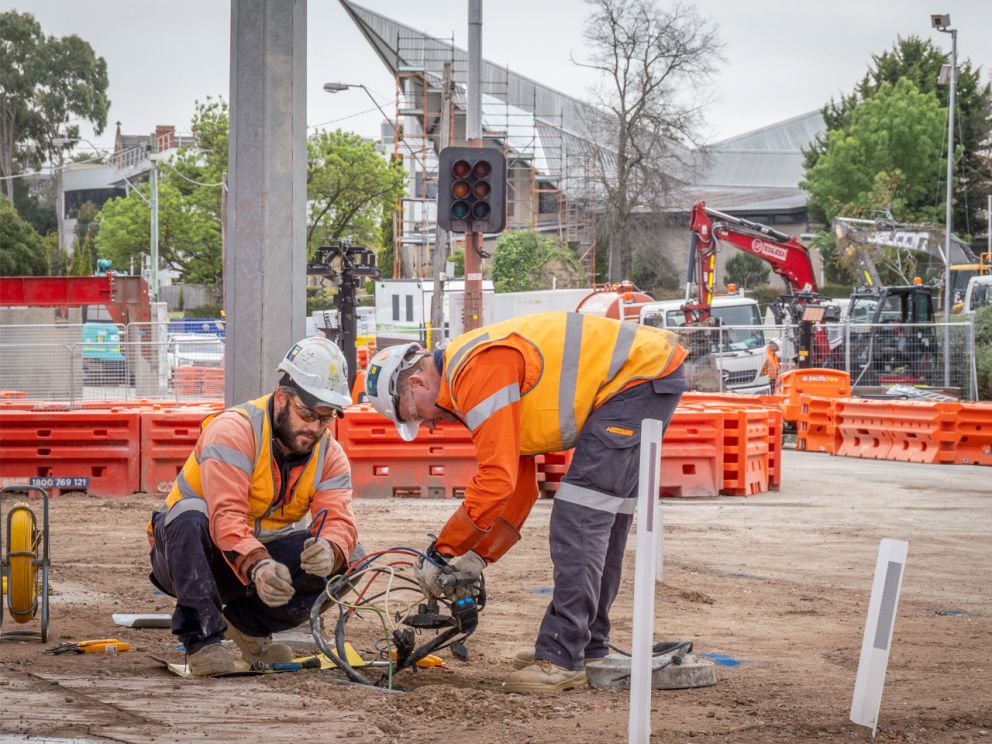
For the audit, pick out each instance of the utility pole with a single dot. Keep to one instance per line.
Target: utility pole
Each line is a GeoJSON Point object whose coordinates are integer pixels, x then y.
{"type": "Point", "coordinates": [948, 288]}
{"type": "Point", "coordinates": [153, 203]}
{"type": "Point", "coordinates": [441, 235]}
{"type": "Point", "coordinates": [473, 133]}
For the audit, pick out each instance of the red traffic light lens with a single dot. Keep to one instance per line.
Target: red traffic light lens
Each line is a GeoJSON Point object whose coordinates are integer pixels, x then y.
{"type": "Point", "coordinates": [480, 210]}
{"type": "Point", "coordinates": [481, 190]}
{"type": "Point", "coordinates": [460, 189]}
{"type": "Point", "coordinates": [461, 168]}
{"type": "Point", "coordinates": [482, 169]}
{"type": "Point", "coordinates": [459, 210]}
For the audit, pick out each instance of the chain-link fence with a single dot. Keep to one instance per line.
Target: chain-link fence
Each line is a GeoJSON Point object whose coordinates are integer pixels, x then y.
{"type": "Point", "coordinates": [104, 362]}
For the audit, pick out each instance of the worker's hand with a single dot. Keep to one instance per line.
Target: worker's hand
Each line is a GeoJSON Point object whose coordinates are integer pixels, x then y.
{"type": "Point", "coordinates": [318, 557]}
{"type": "Point", "coordinates": [429, 571]}
{"type": "Point", "coordinates": [273, 582]}
{"type": "Point", "coordinates": [465, 579]}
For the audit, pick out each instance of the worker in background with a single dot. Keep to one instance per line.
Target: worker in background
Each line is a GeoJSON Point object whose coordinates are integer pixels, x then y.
{"type": "Point", "coordinates": [535, 384]}
{"type": "Point", "coordinates": [773, 366]}
{"type": "Point", "coordinates": [229, 543]}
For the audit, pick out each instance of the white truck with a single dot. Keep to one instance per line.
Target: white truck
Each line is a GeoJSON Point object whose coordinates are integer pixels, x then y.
{"type": "Point", "coordinates": [739, 350]}
{"type": "Point", "coordinates": [977, 295]}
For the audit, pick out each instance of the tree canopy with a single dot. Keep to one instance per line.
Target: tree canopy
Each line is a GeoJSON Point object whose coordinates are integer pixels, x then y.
{"type": "Point", "coordinates": [22, 252]}
{"type": "Point", "coordinates": [47, 85]}
{"type": "Point", "coordinates": [525, 260]}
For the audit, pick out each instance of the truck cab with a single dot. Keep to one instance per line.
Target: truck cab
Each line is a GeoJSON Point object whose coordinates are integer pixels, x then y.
{"type": "Point", "coordinates": [977, 295]}
{"type": "Point", "coordinates": [739, 350]}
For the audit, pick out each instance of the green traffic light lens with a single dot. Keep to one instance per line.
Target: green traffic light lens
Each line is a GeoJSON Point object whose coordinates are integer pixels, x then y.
{"type": "Point", "coordinates": [480, 210]}
{"type": "Point", "coordinates": [460, 189]}
{"type": "Point", "coordinates": [482, 169]}
{"type": "Point", "coordinates": [459, 210]}
{"type": "Point", "coordinates": [481, 190]}
{"type": "Point", "coordinates": [461, 168]}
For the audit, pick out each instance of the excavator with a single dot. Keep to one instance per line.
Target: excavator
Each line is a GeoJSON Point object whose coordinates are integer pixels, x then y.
{"type": "Point", "coordinates": [886, 349]}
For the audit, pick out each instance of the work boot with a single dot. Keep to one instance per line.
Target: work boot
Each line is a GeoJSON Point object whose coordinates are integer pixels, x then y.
{"type": "Point", "coordinates": [526, 658]}
{"type": "Point", "coordinates": [211, 660]}
{"type": "Point", "coordinates": [543, 676]}
{"type": "Point", "coordinates": [259, 648]}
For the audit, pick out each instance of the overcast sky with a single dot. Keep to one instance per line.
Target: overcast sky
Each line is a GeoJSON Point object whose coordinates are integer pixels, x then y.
{"type": "Point", "coordinates": [783, 57]}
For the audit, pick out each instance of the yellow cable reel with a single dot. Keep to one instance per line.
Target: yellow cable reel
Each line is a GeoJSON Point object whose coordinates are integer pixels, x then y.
{"type": "Point", "coordinates": [22, 542]}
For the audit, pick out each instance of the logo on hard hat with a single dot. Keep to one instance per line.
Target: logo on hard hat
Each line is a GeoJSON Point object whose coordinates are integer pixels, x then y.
{"type": "Point", "coordinates": [291, 355]}
{"type": "Point", "coordinates": [372, 379]}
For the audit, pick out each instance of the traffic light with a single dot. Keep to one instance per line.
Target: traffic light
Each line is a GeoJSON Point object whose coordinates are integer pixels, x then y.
{"type": "Point", "coordinates": [471, 192]}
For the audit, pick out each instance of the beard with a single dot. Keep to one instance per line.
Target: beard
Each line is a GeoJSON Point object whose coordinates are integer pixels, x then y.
{"type": "Point", "coordinates": [295, 441]}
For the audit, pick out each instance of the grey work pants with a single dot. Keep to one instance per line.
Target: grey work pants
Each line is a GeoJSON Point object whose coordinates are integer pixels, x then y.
{"type": "Point", "coordinates": [590, 520]}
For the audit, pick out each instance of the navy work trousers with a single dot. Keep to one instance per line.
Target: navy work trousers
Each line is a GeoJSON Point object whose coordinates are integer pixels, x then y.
{"type": "Point", "coordinates": [188, 566]}
{"type": "Point", "coordinates": [590, 519]}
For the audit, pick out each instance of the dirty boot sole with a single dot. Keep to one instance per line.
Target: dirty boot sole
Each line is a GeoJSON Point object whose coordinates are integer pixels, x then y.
{"type": "Point", "coordinates": [577, 680]}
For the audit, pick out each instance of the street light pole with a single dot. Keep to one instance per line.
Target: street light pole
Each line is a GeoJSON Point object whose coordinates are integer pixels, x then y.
{"type": "Point", "coordinates": [153, 202]}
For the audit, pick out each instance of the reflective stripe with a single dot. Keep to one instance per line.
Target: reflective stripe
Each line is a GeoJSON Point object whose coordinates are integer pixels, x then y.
{"type": "Point", "coordinates": [621, 349]}
{"type": "Point", "coordinates": [342, 480]}
{"type": "Point", "coordinates": [569, 379]}
{"type": "Point", "coordinates": [500, 399]}
{"type": "Point", "coordinates": [597, 500]}
{"type": "Point", "coordinates": [256, 416]}
{"type": "Point", "coordinates": [229, 456]}
{"type": "Point", "coordinates": [457, 356]}
{"type": "Point", "coordinates": [318, 471]}
{"type": "Point", "coordinates": [185, 488]}
{"type": "Point", "coordinates": [186, 505]}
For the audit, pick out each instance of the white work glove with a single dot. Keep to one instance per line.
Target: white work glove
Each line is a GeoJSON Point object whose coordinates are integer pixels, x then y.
{"type": "Point", "coordinates": [273, 582]}
{"type": "Point", "coordinates": [428, 576]}
{"type": "Point", "coordinates": [318, 557]}
{"type": "Point", "coordinates": [466, 576]}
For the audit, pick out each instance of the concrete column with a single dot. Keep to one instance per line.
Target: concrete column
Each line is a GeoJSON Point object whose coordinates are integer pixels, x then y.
{"type": "Point", "coordinates": [265, 240]}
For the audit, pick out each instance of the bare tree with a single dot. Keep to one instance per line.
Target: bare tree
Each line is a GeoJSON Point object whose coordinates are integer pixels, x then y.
{"type": "Point", "coordinates": [654, 64]}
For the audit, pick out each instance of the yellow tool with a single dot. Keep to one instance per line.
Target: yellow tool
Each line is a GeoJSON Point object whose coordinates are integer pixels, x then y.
{"type": "Point", "coordinates": [26, 553]}
{"type": "Point", "coordinates": [101, 646]}
{"type": "Point", "coordinates": [428, 662]}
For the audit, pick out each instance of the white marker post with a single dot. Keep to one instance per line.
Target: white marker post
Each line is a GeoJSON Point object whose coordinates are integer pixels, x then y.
{"type": "Point", "coordinates": [889, 568]}
{"type": "Point", "coordinates": [645, 557]}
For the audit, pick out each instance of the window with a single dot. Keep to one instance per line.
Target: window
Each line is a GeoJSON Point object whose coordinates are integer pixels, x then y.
{"type": "Point", "coordinates": [409, 308]}
{"type": "Point", "coordinates": [396, 308]}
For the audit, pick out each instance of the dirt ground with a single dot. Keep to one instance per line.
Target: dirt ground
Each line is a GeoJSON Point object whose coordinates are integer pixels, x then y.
{"type": "Point", "coordinates": [778, 582]}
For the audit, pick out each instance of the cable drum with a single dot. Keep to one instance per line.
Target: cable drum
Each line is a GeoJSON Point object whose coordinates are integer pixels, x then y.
{"type": "Point", "coordinates": [22, 582]}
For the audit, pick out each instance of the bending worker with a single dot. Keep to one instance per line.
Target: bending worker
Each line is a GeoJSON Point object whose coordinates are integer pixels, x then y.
{"type": "Point", "coordinates": [534, 384]}
{"type": "Point", "coordinates": [227, 543]}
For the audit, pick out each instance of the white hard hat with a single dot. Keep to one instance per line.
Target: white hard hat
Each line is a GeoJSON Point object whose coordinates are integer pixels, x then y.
{"type": "Point", "coordinates": [319, 372]}
{"type": "Point", "coordinates": [381, 384]}
{"type": "Point", "coordinates": [777, 342]}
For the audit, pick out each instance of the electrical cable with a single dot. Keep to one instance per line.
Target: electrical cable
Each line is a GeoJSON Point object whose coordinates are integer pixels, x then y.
{"type": "Point", "coordinates": [175, 170]}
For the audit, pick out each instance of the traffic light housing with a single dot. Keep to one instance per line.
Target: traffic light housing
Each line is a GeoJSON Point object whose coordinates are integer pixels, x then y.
{"type": "Point", "coordinates": [471, 192]}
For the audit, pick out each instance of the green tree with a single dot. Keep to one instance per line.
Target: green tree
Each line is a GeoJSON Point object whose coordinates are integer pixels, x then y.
{"type": "Point", "coordinates": [22, 252]}
{"type": "Point", "coordinates": [919, 61]}
{"type": "Point", "coordinates": [746, 271]}
{"type": "Point", "coordinates": [521, 257]}
{"type": "Point", "coordinates": [47, 85]}
{"type": "Point", "coordinates": [84, 240]}
{"type": "Point", "coordinates": [350, 188]}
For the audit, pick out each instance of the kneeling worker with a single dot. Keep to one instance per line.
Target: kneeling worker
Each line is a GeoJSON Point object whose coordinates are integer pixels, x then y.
{"type": "Point", "coordinates": [227, 543]}
{"type": "Point", "coordinates": [534, 384]}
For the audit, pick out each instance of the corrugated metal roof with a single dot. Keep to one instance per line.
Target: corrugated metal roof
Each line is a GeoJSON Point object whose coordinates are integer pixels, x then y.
{"type": "Point", "coordinates": [791, 135]}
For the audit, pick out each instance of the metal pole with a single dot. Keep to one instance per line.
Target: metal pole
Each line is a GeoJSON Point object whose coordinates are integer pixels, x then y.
{"type": "Point", "coordinates": [153, 203]}
{"type": "Point", "coordinates": [948, 289]}
{"type": "Point", "coordinates": [441, 235]}
{"type": "Point", "coordinates": [473, 133]}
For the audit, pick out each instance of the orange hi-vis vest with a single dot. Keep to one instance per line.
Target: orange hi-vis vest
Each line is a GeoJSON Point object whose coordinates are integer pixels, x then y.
{"type": "Point", "coordinates": [270, 519]}
{"type": "Point", "coordinates": [574, 364]}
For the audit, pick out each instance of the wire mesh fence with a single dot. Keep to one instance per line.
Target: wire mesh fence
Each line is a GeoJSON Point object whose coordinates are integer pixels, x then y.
{"type": "Point", "coordinates": [73, 364]}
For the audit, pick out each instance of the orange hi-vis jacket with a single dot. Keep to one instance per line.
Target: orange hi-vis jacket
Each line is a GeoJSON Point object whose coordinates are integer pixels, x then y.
{"type": "Point", "coordinates": [772, 364]}
{"type": "Point", "coordinates": [231, 476]}
{"type": "Point", "coordinates": [524, 387]}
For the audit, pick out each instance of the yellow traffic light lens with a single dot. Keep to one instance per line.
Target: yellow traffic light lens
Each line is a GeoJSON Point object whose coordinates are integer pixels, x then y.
{"type": "Point", "coordinates": [460, 189]}
{"type": "Point", "coordinates": [480, 210]}
{"type": "Point", "coordinates": [459, 210]}
{"type": "Point", "coordinates": [482, 169]}
{"type": "Point", "coordinates": [461, 168]}
{"type": "Point", "coordinates": [481, 190]}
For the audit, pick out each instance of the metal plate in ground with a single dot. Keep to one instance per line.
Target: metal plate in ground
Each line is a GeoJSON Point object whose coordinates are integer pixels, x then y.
{"type": "Point", "coordinates": [614, 671]}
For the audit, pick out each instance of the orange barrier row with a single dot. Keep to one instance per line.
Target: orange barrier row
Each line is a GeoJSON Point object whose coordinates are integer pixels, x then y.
{"type": "Point", "coordinates": [198, 381]}
{"type": "Point", "coordinates": [438, 464]}
{"type": "Point", "coordinates": [974, 429]}
{"type": "Point", "coordinates": [822, 383]}
{"type": "Point", "coordinates": [167, 438]}
{"type": "Point", "coordinates": [102, 446]}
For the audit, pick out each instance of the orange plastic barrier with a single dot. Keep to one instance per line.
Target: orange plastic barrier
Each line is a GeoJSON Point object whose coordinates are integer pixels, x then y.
{"type": "Point", "coordinates": [437, 464]}
{"type": "Point", "coordinates": [816, 427]}
{"type": "Point", "coordinates": [692, 453]}
{"type": "Point", "coordinates": [745, 452]}
{"type": "Point", "coordinates": [861, 428]}
{"type": "Point", "coordinates": [102, 446]}
{"type": "Point", "coordinates": [167, 438]}
{"type": "Point", "coordinates": [358, 394]}
{"type": "Point", "coordinates": [551, 467]}
{"type": "Point", "coordinates": [822, 383]}
{"type": "Point", "coordinates": [776, 421]}
{"type": "Point", "coordinates": [973, 422]}
{"type": "Point", "coordinates": [13, 394]}
{"type": "Point", "coordinates": [189, 380]}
